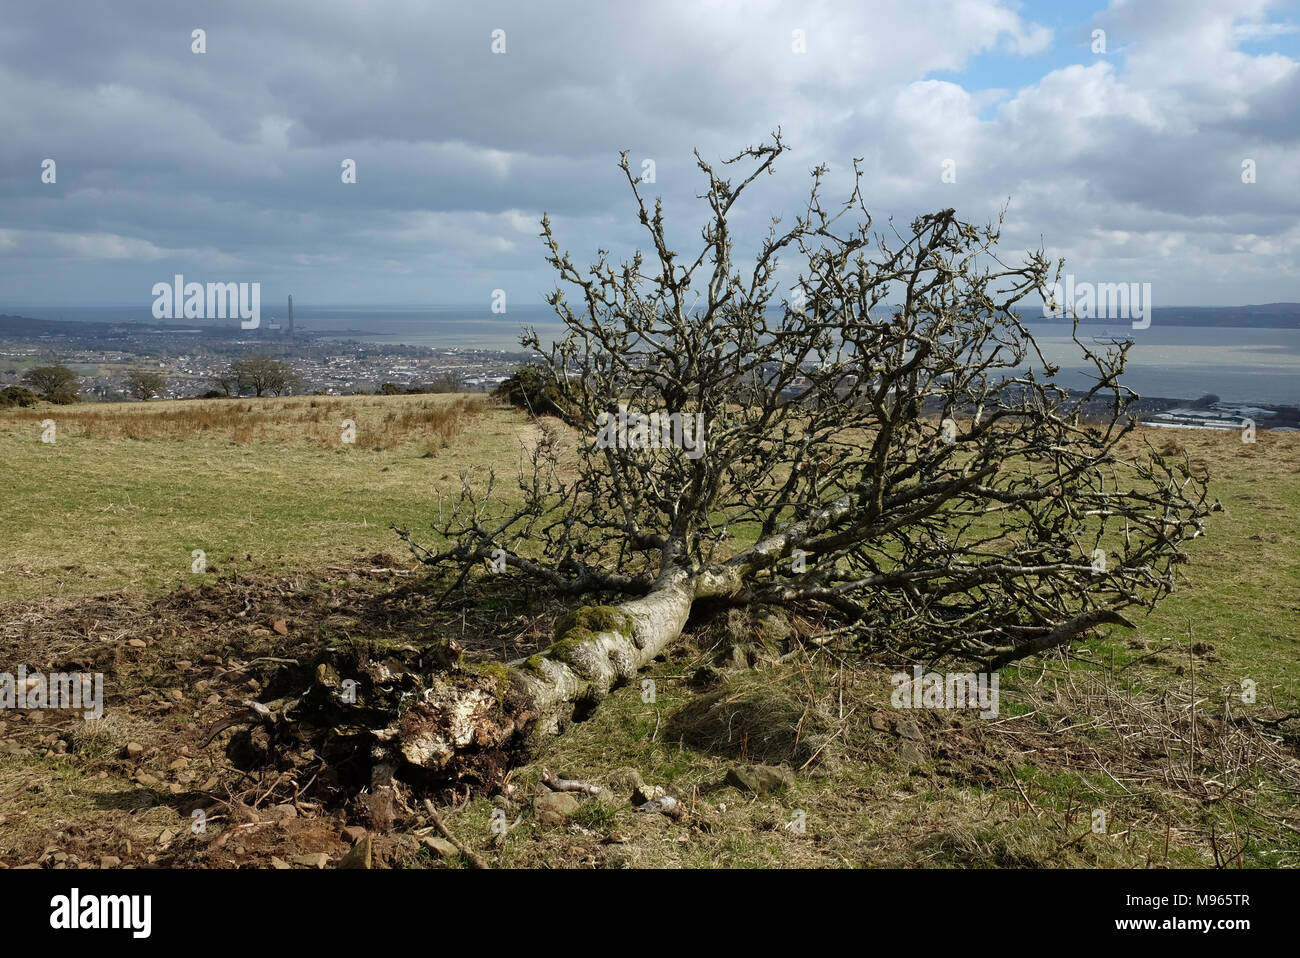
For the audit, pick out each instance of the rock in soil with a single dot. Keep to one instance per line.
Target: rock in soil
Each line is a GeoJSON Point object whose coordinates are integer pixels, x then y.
{"type": "Point", "coordinates": [759, 779]}
{"type": "Point", "coordinates": [353, 833]}
{"type": "Point", "coordinates": [625, 780]}
{"type": "Point", "coordinates": [359, 857]}
{"type": "Point", "coordinates": [910, 730]}
{"type": "Point", "coordinates": [554, 807]}
{"type": "Point", "coordinates": [912, 754]}
{"type": "Point", "coordinates": [440, 847]}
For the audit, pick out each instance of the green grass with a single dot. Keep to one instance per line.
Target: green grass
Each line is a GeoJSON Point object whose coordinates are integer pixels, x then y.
{"type": "Point", "coordinates": [87, 514]}
{"type": "Point", "coordinates": [1240, 593]}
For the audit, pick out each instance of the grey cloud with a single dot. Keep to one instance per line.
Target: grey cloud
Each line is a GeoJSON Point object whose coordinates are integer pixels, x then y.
{"type": "Point", "coordinates": [170, 161]}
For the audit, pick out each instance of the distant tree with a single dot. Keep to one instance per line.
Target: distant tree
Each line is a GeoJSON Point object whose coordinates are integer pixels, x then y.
{"type": "Point", "coordinates": [228, 380]}
{"type": "Point", "coordinates": [264, 375]}
{"type": "Point", "coordinates": [53, 383]}
{"type": "Point", "coordinates": [390, 389]}
{"type": "Point", "coordinates": [535, 391]}
{"type": "Point", "coordinates": [1206, 401]}
{"type": "Point", "coordinates": [17, 396]}
{"type": "Point", "coordinates": [143, 384]}
{"type": "Point", "coordinates": [284, 380]}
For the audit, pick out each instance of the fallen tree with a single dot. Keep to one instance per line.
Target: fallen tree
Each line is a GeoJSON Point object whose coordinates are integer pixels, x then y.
{"type": "Point", "coordinates": [886, 443]}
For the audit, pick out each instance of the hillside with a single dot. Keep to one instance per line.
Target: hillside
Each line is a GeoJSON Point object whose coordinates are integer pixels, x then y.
{"type": "Point", "coordinates": [100, 529]}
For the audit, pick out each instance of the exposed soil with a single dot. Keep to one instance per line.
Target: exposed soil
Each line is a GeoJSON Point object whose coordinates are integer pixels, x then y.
{"type": "Point", "coordinates": [176, 736]}
{"type": "Point", "coordinates": [181, 771]}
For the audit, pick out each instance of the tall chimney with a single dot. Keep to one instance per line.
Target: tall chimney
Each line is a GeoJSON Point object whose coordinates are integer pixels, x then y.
{"type": "Point", "coordinates": [291, 314]}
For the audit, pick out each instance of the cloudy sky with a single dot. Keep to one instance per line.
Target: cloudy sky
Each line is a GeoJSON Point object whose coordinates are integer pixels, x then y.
{"type": "Point", "coordinates": [226, 165]}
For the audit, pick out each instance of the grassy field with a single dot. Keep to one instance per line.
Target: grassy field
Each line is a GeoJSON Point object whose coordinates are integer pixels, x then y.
{"type": "Point", "coordinates": [127, 492]}
{"type": "Point", "coordinates": [1149, 727]}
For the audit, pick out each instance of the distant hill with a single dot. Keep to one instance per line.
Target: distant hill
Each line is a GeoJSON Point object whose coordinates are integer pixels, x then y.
{"type": "Point", "coordinates": [1267, 316]}
{"type": "Point", "coordinates": [23, 326]}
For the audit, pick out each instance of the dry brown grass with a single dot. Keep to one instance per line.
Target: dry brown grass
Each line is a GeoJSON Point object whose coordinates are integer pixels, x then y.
{"type": "Point", "coordinates": [381, 422]}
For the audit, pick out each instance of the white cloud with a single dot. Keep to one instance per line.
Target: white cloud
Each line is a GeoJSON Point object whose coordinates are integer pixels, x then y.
{"type": "Point", "coordinates": [1125, 161]}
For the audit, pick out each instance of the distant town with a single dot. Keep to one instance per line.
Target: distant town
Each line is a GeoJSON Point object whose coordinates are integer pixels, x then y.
{"type": "Point", "coordinates": [190, 359]}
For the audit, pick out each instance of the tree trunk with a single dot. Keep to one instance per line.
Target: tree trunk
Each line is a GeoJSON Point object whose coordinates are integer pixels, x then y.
{"type": "Point", "coordinates": [599, 647]}
{"type": "Point", "coordinates": [471, 723]}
